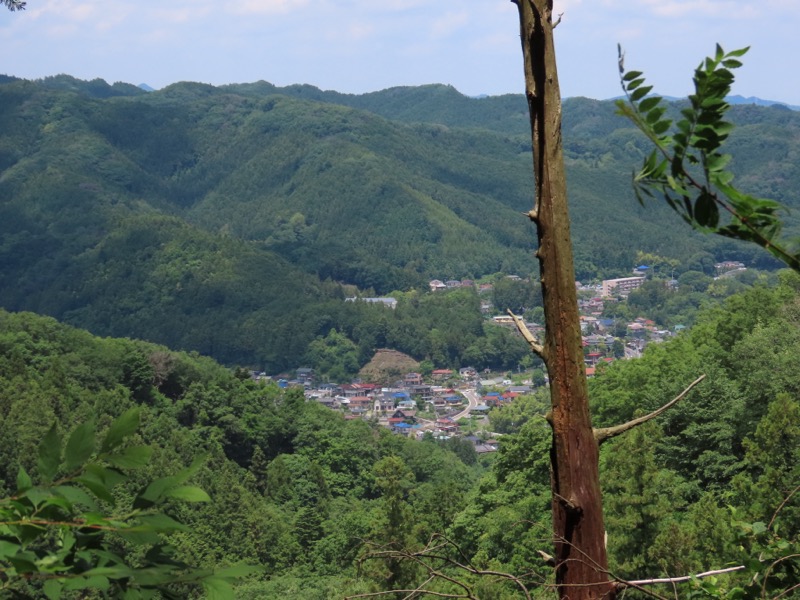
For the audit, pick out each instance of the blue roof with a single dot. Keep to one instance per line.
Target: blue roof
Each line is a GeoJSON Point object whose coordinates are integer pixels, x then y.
{"type": "Point", "coordinates": [403, 425]}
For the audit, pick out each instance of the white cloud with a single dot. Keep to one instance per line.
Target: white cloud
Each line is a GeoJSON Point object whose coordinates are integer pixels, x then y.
{"type": "Point", "coordinates": [268, 7]}
{"type": "Point", "coordinates": [449, 23]}
{"type": "Point", "coordinates": [72, 10]}
{"type": "Point", "coordinates": [360, 30]}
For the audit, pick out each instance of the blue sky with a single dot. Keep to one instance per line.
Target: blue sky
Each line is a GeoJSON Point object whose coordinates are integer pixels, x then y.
{"type": "Point", "coordinates": [365, 45]}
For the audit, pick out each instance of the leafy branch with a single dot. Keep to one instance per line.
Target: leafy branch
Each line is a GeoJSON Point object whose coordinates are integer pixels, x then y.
{"type": "Point", "coordinates": [13, 5]}
{"type": "Point", "coordinates": [687, 166]}
{"type": "Point", "coordinates": [66, 532]}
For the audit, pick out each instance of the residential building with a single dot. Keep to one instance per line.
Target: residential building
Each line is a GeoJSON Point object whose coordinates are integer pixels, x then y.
{"type": "Point", "coordinates": [622, 286]}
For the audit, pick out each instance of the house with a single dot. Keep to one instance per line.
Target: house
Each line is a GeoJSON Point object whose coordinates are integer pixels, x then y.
{"type": "Point", "coordinates": [445, 425]}
{"type": "Point", "coordinates": [328, 401]}
{"type": "Point", "coordinates": [437, 285]}
{"type": "Point", "coordinates": [403, 416]}
{"type": "Point", "coordinates": [412, 379]}
{"type": "Point", "coordinates": [519, 389]}
{"type": "Point", "coordinates": [382, 404]}
{"type": "Point", "coordinates": [423, 392]}
{"type": "Point", "coordinates": [442, 374]}
{"type": "Point", "coordinates": [453, 399]}
{"type": "Point", "coordinates": [305, 375]}
{"type": "Point", "coordinates": [468, 373]}
{"type": "Point", "coordinates": [503, 320]}
{"type": "Point", "coordinates": [592, 358]}
{"type": "Point", "coordinates": [362, 403]}
{"type": "Point", "coordinates": [438, 403]}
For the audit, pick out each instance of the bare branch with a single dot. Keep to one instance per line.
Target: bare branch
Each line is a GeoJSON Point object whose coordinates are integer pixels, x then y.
{"type": "Point", "coordinates": [537, 348]}
{"type": "Point", "coordinates": [780, 507]}
{"type": "Point", "coordinates": [429, 553]}
{"type": "Point", "coordinates": [602, 434]}
{"type": "Point", "coordinates": [681, 579]}
{"type": "Point", "coordinates": [414, 591]}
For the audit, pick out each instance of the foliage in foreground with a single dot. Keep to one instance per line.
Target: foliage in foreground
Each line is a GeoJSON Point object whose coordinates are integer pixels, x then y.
{"type": "Point", "coordinates": [73, 529]}
{"type": "Point", "coordinates": [687, 166]}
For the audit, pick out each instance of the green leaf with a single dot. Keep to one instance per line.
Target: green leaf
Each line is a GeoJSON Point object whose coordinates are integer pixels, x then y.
{"type": "Point", "coordinates": [740, 52]}
{"type": "Point", "coordinates": [80, 446]}
{"type": "Point", "coordinates": [124, 426]}
{"type": "Point", "coordinates": [50, 454]}
{"type": "Point", "coordinates": [160, 522]}
{"type": "Point", "coordinates": [661, 127]}
{"type": "Point", "coordinates": [640, 93]}
{"type": "Point", "coordinates": [759, 528]}
{"type": "Point", "coordinates": [154, 492]}
{"type": "Point", "coordinates": [23, 480]}
{"type": "Point", "coordinates": [189, 494]}
{"type": "Point", "coordinates": [97, 487]}
{"type": "Point", "coordinates": [217, 589]}
{"type": "Point", "coordinates": [732, 63]}
{"type": "Point", "coordinates": [634, 84]}
{"type": "Point", "coordinates": [717, 162]}
{"type": "Point", "coordinates": [630, 75]}
{"type": "Point", "coordinates": [139, 535]}
{"type": "Point", "coordinates": [52, 589]}
{"type": "Point", "coordinates": [131, 457]}
{"type": "Point", "coordinates": [97, 582]}
{"type": "Point", "coordinates": [24, 563]}
{"type": "Point", "coordinates": [656, 113]}
{"type": "Point", "coordinates": [75, 495]}
{"type": "Point", "coordinates": [237, 571]}
{"type": "Point", "coordinates": [706, 211]}
{"type": "Point", "coordinates": [650, 103]}
{"type": "Point", "coordinates": [8, 548]}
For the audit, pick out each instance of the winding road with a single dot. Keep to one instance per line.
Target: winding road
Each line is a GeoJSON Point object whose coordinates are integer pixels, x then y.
{"type": "Point", "coordinates": [473, 400]}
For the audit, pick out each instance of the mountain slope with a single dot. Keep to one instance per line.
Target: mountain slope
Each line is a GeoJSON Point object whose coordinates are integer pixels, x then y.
{"type": "Point", "coordinates": [208, 218]}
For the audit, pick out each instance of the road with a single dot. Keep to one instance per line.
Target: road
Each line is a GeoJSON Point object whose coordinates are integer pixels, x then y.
{"type": "Point", "coordinates": [473, 400]}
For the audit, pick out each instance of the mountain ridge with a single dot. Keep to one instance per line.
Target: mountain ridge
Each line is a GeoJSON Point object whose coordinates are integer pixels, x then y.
{"type": "Point", "coordinates": [224, 220]}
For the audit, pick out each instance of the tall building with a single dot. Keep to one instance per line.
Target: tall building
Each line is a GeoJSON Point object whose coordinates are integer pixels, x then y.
{"type": "Point", "coordinates": [621, 287]}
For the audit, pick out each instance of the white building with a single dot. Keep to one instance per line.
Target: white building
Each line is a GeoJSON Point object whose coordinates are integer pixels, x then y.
{"type": "Point", "coordinates": [621, 287]}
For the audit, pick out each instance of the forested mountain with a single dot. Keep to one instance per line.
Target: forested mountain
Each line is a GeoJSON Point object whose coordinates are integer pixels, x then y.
{"type": "Point", "coordinates": [224, 219]}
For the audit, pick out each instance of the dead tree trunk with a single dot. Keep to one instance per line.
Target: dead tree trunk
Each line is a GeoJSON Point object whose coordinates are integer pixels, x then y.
{"type": "Point", "coordinates": [579, 533]}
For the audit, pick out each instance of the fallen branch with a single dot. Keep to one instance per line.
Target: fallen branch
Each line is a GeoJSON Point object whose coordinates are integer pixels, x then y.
{"type": "Point", "coordinates": [602, 434]}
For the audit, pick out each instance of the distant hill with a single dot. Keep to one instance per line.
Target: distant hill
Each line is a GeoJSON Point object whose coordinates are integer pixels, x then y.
{"type": "Point", "coordinates": [221, 219]}
{"type": "Point", "coordinates": [736, 99]}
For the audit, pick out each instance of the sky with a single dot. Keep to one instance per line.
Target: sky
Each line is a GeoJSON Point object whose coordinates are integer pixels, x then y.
{"type": "Point", "coordinates": [358, 46]}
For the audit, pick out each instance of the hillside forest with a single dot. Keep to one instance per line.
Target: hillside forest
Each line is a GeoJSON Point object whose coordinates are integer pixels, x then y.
{"type": "Point", "coordinates": [161, 248]}
{"type": "Point", "coordinates": [309, 495]}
